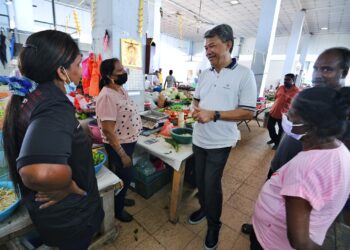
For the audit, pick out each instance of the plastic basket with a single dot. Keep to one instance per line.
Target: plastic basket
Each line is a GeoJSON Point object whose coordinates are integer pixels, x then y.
{"type": "Point", "coordinates": [99, 166]}
{"type": "Point", "coordinates": [8, 211]}
{"type": "Point", "coordinates": [149, 185]}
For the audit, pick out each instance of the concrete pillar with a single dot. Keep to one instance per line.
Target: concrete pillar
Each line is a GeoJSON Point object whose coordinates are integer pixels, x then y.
{"type": "Point", "coordinates": [293, 42]}
{"type": "Point", "coordinates": [237, 47]}
{"type": "Point", "coordinates": [120, 18]}
{"type": "Point", "coordinates": [264, 41]}
{"type": "Point", "coordinates": [303, 53]}
{"type": "Point", "coordinates": [23, 15]}
{"type": "Point", "coordinates": [153, 30]}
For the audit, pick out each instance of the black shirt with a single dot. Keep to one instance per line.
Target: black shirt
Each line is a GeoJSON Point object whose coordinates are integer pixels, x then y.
{"type": "Point", "coordinates": [52, 134]}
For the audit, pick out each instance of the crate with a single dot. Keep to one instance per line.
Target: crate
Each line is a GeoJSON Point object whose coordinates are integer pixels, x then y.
{"type": "Point", "coordinates": [148, 185]}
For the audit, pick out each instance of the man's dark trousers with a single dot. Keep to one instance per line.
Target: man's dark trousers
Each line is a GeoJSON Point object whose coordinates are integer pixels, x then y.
{"type": "Point", "coordinates": [209, 167]}
{"type": "Point", "coordinates": [272, 130]}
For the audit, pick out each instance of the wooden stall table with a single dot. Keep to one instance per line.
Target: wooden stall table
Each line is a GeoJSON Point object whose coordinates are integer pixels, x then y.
{"type": "Point", "coordinates": [177, 160]}
{"type": "Point", "coordinates": [20, 223]}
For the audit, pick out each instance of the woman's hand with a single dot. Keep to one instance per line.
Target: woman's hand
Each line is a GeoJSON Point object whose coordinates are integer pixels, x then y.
{"type": "Point", "coordinates": [298, 213]}
{"type": "Point", "coordinates": [50, 198]}
{"type": "Point", "coordinates": [126, 160]}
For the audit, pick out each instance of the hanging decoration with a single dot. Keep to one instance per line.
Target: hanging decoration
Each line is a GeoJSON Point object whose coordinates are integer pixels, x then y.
{"type": "Point", "coordinates": [180, 25]}
{"type": "Point", "coordinates": [93, 13]}
{"type": "Point", "coordinates": [13, 45]}
{"type": "Point", "coordinates": [76, 20]}
{"type": "Point", "coordinates": [140, 26]}
{"type": "Point", "coordinates": [3, 56]}
{"type": "Point", "coordinates": [161, 12]}
{"type": "Point", "coordinates": [91, 74]}
{"type": "Point", "coordinates": [94, 89]}
{"type": "Point", "coordinates": [106, 41]}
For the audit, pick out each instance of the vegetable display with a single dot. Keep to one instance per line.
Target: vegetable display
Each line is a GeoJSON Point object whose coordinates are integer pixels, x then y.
{"type": "Point", "coordinates": [97, 156]}
{"type": "Point", "coordinates": [7, 198]}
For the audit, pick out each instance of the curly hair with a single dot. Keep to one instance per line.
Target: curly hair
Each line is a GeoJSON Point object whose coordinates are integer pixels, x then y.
{"type": "Point", "coordinates": [324, 109]}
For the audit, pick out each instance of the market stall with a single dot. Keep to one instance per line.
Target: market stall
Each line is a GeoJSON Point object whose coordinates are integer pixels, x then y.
{"type": "Point", "coordinates": [19, 222]}
{"type": "Point", "coordinates": [156, 145]}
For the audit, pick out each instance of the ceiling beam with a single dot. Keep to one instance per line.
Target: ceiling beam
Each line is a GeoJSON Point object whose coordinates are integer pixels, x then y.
{"type": "Point", "coordinates": [190, 11]}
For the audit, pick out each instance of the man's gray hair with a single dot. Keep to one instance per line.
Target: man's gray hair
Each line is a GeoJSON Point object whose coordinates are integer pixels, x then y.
{"type": "Point", "coordinates": [223, 31]}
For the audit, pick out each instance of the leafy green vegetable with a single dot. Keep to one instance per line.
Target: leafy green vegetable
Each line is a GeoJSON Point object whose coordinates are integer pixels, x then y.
{"type": "Point", "coordinates": [176, 107]}
{"type": "Point", "coordinates": [173, 143]}
{"type": "Point", "coordinates": [98, 157]}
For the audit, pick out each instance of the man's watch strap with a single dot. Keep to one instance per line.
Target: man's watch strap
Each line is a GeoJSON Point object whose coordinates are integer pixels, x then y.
{"type": "Point", "coordinates": [216, 116]}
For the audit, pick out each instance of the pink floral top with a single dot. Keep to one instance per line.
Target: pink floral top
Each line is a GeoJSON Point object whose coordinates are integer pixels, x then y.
{"type": "Point", "coordinates": [115, 106]}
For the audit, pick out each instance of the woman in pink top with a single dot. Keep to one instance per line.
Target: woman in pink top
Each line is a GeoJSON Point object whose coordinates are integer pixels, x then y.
{"type": "Point", "coordinates": [120, 125]}
{"type": "Point", "coordinates": [296, 207]}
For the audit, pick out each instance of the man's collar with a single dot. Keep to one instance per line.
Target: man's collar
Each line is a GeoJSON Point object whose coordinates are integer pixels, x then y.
{"type": "Point", "coordinates": [231, 66]}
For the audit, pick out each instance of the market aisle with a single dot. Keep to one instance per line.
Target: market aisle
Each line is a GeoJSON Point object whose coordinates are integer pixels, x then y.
{"type": "Point", "coordinates": [244, 175]}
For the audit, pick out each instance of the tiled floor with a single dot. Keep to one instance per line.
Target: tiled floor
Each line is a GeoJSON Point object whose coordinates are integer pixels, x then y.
{"type": "Point", "coordinates": [244, 175]}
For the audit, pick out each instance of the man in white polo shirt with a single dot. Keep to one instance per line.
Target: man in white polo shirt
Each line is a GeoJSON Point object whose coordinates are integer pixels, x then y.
{"type": "Point", "coordinates": [226, 93]}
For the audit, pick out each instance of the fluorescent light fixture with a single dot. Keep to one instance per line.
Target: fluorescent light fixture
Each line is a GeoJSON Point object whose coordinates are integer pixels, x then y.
{"type": "Point", "coordinates": [324, 28]}
{"type": "Point", "coordinates": [234, 2]}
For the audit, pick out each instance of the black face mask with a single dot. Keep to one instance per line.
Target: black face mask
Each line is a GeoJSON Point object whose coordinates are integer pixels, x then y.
{"type": "Point", "coordinates": [288, 85]}
{"type": "Point", "coordinates": [123, 78]}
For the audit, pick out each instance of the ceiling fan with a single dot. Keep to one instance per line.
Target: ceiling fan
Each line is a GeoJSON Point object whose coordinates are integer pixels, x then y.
{"type": "Point", "coordinates": [199, 21]}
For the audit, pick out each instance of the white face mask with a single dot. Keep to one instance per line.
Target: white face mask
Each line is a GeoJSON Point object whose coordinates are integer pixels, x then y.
{"type": "Point", "coordinates": [288, 126]}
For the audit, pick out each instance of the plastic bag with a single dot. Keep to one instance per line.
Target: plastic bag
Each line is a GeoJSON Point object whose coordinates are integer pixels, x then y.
{"type": "Point", "coordinates": [145, 167]}
{"type": "Point", "coordinates": [165, 131]}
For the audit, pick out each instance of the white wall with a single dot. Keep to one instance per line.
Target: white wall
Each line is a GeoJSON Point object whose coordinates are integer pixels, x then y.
{"type": "Point", "coordinates": [175, 55]}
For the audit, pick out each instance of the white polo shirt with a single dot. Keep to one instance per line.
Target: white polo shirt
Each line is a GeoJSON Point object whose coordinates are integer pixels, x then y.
{"type": "Point", "coordinates": [234, 87]}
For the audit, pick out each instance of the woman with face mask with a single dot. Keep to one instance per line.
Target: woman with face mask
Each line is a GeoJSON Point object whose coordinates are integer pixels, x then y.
{"type": "Point", "coordinates": [120, 127]}
{"type": "Point", "coordinates": [296, 207]}
{"type": "Point", "coordinates": [48, 153]}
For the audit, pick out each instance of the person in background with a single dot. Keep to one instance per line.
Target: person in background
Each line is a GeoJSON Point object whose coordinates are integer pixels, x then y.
{"type": "Point", "coordinates": [283, 98]}
{"type": "Point", "coordinates": [170, 80]}
{"type": "Point", "coordinates": [48, 154]}
{"type": "Point", "coordinates": [155, 80]}
{"type": "Point", "coordinates": [160, 77]}
{"type": "Point", "coordinates": [120, 127]}
{"type": "Point", "coordinates": [300, 201]}
{"type": "Point", "coordinates": [330, 70]}
{"type": "Point", "coordinates": [226, 93]}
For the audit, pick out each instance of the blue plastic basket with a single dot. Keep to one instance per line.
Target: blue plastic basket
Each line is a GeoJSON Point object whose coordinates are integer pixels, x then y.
{"type": "Point", "coordinates": [99, 166]}
{"type": "Point", "coordinates": [8, 211]}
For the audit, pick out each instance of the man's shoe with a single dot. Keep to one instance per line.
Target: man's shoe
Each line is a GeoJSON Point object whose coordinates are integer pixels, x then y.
{"type": "Point", "coordinates": [124, 216]}
{"type": "Point", "coordinates": [211, 241]}
{"type": "Point", "coordinates": [247, 228]}
{"type": "Point", "coordinates": [270, 142]}
{"type": "Point", "coordinates": [197, 217]}
{"type": "Point", "coordinates": [129, 202]}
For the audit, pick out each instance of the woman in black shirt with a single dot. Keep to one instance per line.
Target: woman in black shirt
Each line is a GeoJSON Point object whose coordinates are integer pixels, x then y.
{"type": "Point", "coordinates": [49, 155]}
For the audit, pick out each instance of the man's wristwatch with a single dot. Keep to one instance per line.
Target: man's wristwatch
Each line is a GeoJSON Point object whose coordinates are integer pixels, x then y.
{"type": "Point", "coordinates": [216, 116]}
